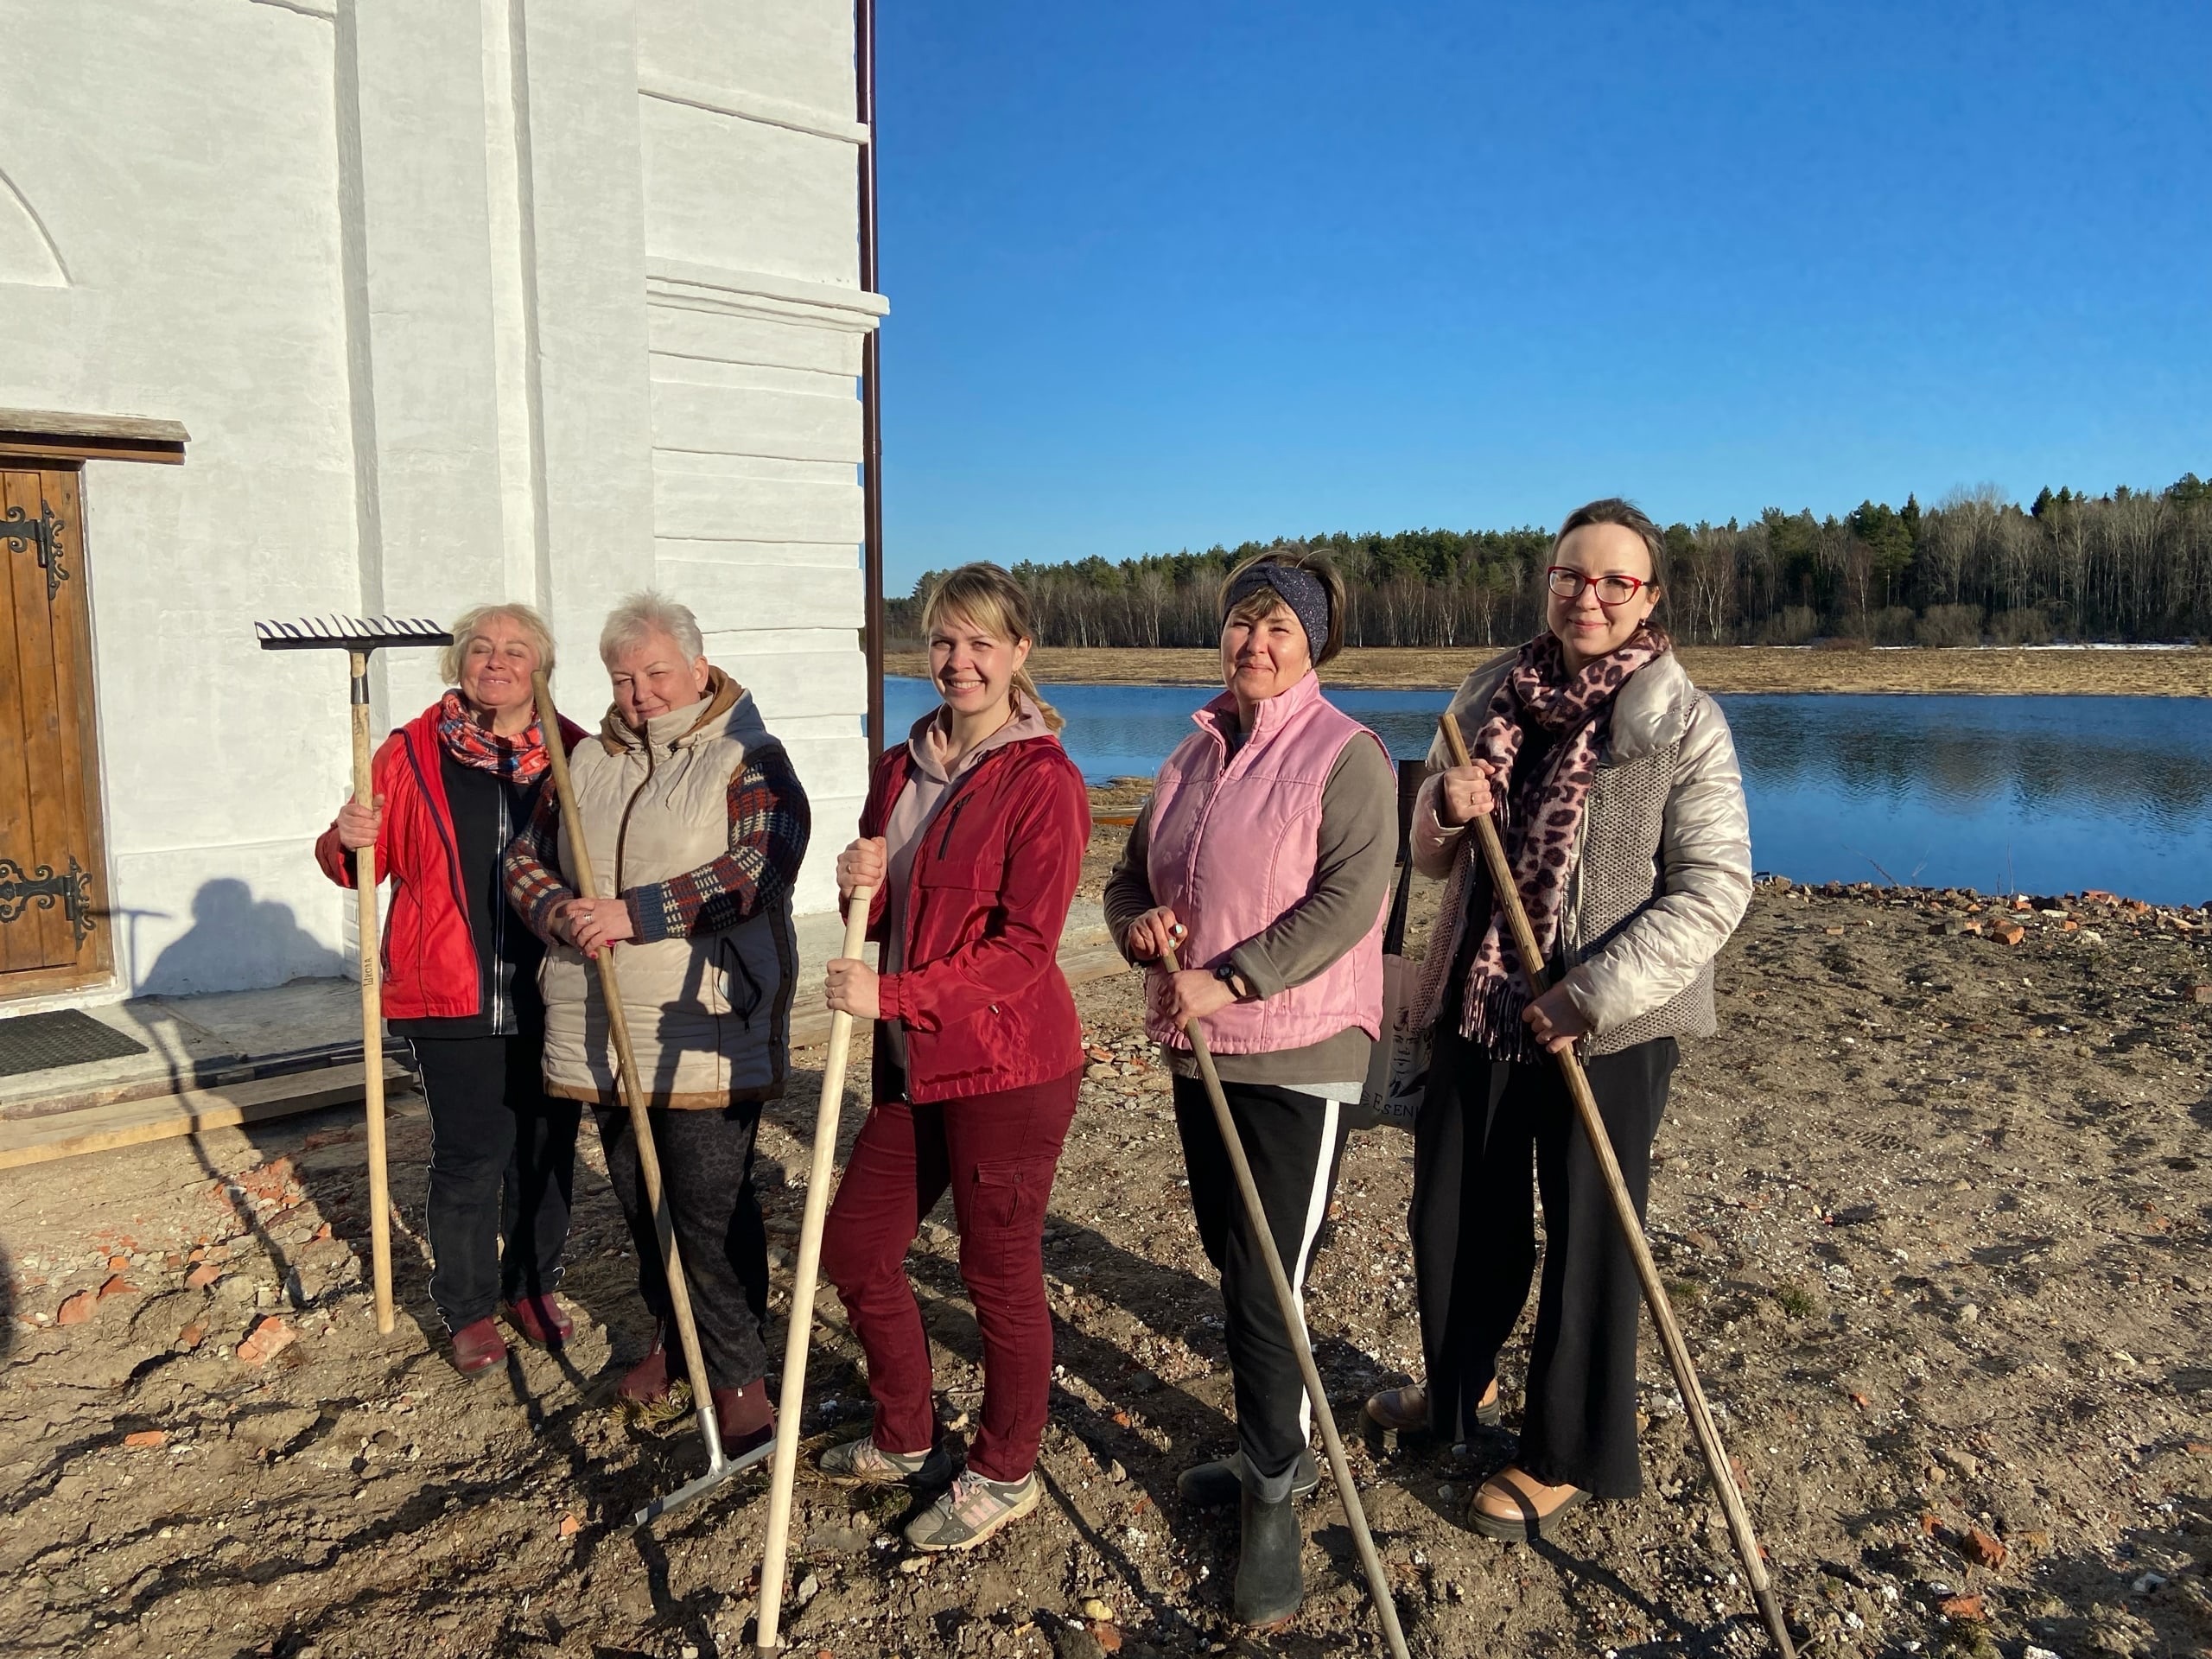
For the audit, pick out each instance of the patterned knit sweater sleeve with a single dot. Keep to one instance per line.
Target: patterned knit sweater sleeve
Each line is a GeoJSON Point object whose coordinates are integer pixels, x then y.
{"type": "Point", "coordinates": [531, 867]}
{"type": "Point", "coordinates": [770, 823]}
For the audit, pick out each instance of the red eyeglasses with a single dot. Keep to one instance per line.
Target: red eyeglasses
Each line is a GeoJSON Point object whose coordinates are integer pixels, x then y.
{"type": "Point", "coordinates": [1566, 582]}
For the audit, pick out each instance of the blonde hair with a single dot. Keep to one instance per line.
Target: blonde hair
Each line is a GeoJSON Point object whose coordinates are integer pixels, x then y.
{"type": "Point", "coordinates": [640, 616]}
{"type": "Point", "coordinates": [994, 602]}
{"type": "Point", "coordinates": [524, 616]}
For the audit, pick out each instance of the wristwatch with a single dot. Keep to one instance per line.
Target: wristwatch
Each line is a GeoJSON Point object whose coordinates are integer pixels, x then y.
{"type": "Point", "coordinates": [1227, 974]}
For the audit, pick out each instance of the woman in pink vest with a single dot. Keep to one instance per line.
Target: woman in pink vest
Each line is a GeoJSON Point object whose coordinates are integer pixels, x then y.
{"type": "Point", "coordinates": [1618, 799]}
{"type": "Point", "coordinates": [1264, 857]}
{"type": "Point", "coordinates": [972, 841]}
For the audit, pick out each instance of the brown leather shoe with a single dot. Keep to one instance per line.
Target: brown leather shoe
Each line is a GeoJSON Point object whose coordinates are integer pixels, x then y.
{"type": "Point", "coordinates": [1514, 1506]}
{"type": "Point", "coordinates": [478, 1347]}
{"type": "Point", "coordinates": [745, 1417]}
{"type": "Point", "coordinates": [1406, 1409]}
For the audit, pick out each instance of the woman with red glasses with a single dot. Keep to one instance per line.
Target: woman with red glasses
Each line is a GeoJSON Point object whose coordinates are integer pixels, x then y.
{"type": "Point", "coordinates": [1616, 791]}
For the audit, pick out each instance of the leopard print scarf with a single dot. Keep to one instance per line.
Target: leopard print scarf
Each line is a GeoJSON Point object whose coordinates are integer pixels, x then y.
{"type": "Point", "coordinates": [1539, 816]}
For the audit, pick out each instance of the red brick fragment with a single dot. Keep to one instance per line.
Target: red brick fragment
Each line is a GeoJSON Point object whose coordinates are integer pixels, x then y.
{"type": "Point", "coordinates": [79, 1309]}
{"type": "Point", "coordinates": [1962, 1607]}
{"type": "Point", "coordinates": [203, 1276]}
{"type": "Point", "coordinates": [145, 1440]}
{"type": "Point", "coordinates": [192, 1336]}
{"type": "Point", "coordinates": [1981, 1549]}
{"type": "Point", "coordinates": [117, 1285]}
{"type": "Point", "coordinates": [270, 1337]}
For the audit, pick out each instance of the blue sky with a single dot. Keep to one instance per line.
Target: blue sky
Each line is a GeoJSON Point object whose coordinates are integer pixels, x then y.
{"type": "Point", "coordinates": [1162, 275]}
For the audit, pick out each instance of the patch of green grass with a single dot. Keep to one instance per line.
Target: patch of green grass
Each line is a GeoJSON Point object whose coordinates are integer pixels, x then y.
{"type": "Point", "coordinates": [1796, 1300]}
{"type": "Point", "coordinates": [1687, 1292]}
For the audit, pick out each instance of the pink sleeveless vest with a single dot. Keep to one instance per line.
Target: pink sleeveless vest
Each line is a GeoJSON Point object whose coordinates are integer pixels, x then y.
{"type": "Point", "coordinates": [1233, 848]}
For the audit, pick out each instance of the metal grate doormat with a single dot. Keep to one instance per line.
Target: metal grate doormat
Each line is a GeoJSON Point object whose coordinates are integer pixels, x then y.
{"type": "Point", "coordinates": [38, 1042]}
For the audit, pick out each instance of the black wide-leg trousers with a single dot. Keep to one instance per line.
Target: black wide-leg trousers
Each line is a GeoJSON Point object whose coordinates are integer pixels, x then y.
{"type": "Point", "coordinates": [1475, 1250]}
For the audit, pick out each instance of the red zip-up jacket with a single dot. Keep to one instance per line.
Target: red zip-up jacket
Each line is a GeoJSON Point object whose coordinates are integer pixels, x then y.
{"type": "Point", "coordinates": [430, 969]}
{"type": "Point", "coordinates": [981, 995]}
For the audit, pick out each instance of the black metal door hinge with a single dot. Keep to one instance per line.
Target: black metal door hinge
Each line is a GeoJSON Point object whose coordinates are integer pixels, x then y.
{"type": "Point", "coordinates": [44, 534]}
{"type": "Point", "coordinates": [19, 892]}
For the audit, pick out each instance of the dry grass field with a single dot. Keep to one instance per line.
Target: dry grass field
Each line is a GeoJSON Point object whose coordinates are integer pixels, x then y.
{"type": "Point", "coordinates": [2184, 671]}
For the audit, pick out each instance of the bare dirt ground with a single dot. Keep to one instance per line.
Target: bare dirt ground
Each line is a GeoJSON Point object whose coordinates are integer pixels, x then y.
{"type": "Point", "coordinates": [2183, 672]}
{"type": "Point", "coordinates": [1934, 1207]}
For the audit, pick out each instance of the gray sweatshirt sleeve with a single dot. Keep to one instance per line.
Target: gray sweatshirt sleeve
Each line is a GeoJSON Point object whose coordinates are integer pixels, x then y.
{"type": "Point", "coordinates": [1128, 889]}
{"type": "Point", "coordinates": [1351, 876]}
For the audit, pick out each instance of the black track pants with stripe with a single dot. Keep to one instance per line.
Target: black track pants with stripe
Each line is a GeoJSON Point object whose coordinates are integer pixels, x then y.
{"type": "Point", "coordinates": [1293, 1141]}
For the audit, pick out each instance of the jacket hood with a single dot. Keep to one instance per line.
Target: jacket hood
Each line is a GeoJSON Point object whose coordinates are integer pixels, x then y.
{"type": "Point", "coordinates": [928, 751]}
{"type": "Point", "coordinates": [1649, 710]}
{"type": "Point", "coordinates": [727, 710]}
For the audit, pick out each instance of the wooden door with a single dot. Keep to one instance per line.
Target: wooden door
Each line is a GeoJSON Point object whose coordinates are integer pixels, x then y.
{"type": "Point", "coordinates": [53, 922]}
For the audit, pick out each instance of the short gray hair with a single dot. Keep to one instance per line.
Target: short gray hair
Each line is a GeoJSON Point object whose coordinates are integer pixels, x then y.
{"type": "Point", "coordinates": [639, 616]}
{"type": "Point", "coordinates": [464, 626]}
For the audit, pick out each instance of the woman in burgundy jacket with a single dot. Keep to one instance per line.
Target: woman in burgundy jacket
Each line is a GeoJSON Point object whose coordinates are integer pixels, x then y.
{"type": "Point", "coordinates": [972, 839]}
{"type": "Point", "coordinates": [452, 787]}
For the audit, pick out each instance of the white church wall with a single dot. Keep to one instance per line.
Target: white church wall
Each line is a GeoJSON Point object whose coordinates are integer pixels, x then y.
{"type": "Point", "coordinates": [756, 320]}
{"type": "Point", "coordinates": [445, 294]}
{"type": "Point", "coordinates": [183, 166]}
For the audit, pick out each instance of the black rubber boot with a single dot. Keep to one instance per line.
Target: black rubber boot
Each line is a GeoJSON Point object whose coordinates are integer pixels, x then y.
{"type": "Point", "coordinates": [1217, 1484]}
{"type": "Point", "coordinates": [1269, 1584]}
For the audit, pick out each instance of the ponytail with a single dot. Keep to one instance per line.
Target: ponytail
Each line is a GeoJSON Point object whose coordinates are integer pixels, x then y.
{"type": "Point", "coordinates": [1054, 720]}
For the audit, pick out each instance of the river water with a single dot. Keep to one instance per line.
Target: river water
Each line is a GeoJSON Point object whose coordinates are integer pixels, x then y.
{"type": "Point", "coordinates": [2040, 795]}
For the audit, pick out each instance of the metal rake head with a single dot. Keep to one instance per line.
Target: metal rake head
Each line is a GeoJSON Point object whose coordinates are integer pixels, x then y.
{"type": "Point", "coordinates": [362, 633]}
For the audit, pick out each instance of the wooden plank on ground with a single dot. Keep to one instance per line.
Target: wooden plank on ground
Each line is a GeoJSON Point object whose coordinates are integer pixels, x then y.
{"type": "Point", "coordinates": [130, 1124]}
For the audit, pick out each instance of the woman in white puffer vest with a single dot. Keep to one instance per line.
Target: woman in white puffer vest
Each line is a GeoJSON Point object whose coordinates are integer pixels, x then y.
{"type": "Point", "coordinates": [696, 825]}
{"type": "Point", "coordinates": [1622, 812]}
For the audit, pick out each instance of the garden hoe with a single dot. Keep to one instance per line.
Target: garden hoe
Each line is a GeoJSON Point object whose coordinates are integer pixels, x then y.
{"type": "Point", "coordinates": [793, 1404]}
{"type": "Point", "coordinates": [357, 637]}
{"type": "Point", "coordinates": [719, 1467]}
{"type": "Point", "coordinates": [1646, 1270]}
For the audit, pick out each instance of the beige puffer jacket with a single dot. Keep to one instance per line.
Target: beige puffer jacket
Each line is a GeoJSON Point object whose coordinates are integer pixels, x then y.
{"type": "Point", "coordinates": [1662, 875]}
{"type": "Point", "coordinates": [709, 1015]}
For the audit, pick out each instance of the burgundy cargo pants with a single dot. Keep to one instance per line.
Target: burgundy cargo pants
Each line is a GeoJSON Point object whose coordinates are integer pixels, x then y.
{"type": "Point", "coordinates": [998, 1153]}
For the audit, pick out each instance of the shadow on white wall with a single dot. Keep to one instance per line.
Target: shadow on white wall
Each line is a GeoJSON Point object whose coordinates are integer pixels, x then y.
{"type": "Point", "coordinates": [235, 941]}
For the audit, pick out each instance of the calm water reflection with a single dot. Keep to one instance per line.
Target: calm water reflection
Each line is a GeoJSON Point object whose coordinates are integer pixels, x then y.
{"type": "Point", "coordinates": [2040, 794]}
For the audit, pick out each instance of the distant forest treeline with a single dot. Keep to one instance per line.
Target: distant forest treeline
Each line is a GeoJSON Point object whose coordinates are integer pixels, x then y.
{"type": "Point", "coordinates": [2132, 565]}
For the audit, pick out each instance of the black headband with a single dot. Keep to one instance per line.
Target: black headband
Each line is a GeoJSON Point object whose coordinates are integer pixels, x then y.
{"type": "Point", "coordinates": [1305, 594]}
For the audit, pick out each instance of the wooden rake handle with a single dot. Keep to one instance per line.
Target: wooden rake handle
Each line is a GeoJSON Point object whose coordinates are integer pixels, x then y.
{"type": "Point", "coordinates": [792, 1406]}
{"type": "Point", "coordinates": [1378, 1581]}
{"type": "Point", "coordinates": [626, 1080]}
{"type": "Point", "coordinates": [1646, 1270]}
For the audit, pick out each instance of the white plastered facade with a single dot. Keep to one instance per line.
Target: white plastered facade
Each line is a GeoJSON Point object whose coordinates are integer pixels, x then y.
{"type": "Point", "coordinates": [460, 300]}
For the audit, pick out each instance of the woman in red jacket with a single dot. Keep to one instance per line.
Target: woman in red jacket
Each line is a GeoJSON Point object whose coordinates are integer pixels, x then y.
{"type": "Point", "coordinates": [971, 840]}
{"type": "Point", "coordinates": [452, 788]}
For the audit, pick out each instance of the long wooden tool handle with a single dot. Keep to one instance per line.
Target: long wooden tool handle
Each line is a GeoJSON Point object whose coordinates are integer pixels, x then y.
{"type": "Point", "coordinates": [364, 900]}
{"type": "Point", "coordinates": [1646, 1270]}
{"type": "Point", "coordinates": [792, 1406]}
{"type": "Point", "coordinates": [626, 1079]}
{"type": "Point", "coordinates": [1378, 1583]}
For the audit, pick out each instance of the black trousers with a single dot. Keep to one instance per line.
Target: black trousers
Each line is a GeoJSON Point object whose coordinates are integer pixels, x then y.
{"type": "Point", "coordinates": [1293, 1142]}
{"type": "Point", "coordinates": [1475, 1250]}
{"type": "Point", "coordinates": [502, 1161]}
{"type": "Point", "coordinates": [706, 1168]}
